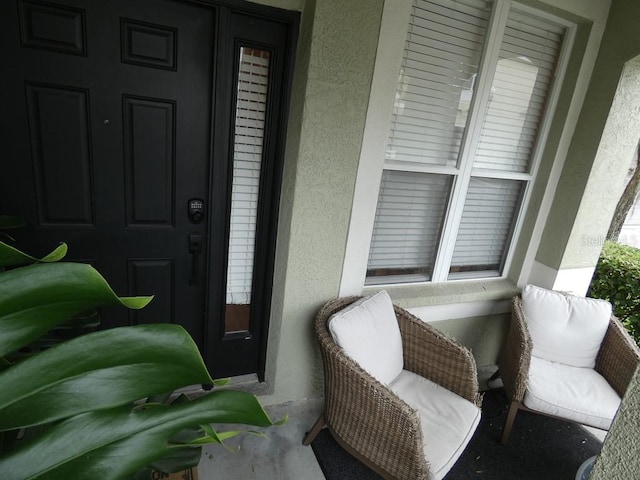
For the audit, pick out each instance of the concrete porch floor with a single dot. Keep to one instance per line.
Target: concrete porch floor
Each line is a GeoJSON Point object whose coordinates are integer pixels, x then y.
{"type": "Point", "coordinates": [279, 456]}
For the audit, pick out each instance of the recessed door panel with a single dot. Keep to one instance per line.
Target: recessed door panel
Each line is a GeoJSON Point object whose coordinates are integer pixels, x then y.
{"type": "Point", "coordinates": [149, 45]}
{"type": "Point", "coordinates": [149, 153]}
{"type": "Point", "coordinates": [58, 28]}
{"type": "Point", "coordinates": [157, 276]}
{"type": "Point", "coordinates": [61, 153]}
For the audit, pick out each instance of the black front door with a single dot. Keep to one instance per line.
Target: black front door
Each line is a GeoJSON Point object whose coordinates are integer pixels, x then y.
{"type": "Point", "coordinates": [118, 130]}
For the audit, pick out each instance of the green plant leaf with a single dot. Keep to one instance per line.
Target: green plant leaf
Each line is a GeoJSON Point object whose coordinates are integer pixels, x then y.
{"type": "Point", "coordinates": [99, 370]}
{"type": "Point", "coordinates": [111, 444]}
{"type": "Point", "coordinates": [11, 256]}
{"type": "Point", "coordinates": [35, 298]}
{"type": "Point", "coordinates": [178, 459]}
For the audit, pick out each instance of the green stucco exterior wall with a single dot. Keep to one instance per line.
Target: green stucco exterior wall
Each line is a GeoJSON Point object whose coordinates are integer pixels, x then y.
{"type": "Point", "coordinates": [619, 458]}
{"type": "Point", "coordinates": [483, 336]}
{"type": "Point", "coordinates": [601, 149]}
{"type": "Point", "coordinates": [332, 83]}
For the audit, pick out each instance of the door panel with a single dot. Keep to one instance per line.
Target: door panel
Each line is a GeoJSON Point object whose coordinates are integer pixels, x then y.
{"type": "Point", "coordinates": [59, 140]}
{"type": "Point", "coordinates": [157, 276]}
{"type": "Point", "coordinates": [148, 131]}
{"type": "Point", "coordinates": [115, 113]}
{"type": "Point", "coordinates": [58, 28]}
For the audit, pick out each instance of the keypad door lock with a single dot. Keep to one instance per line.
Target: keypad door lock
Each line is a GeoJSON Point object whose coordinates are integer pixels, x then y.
{"type": "Point", "coordinates": [196, 210]}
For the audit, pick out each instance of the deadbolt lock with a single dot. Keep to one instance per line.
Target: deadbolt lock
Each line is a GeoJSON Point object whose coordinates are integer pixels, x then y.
{"type": "Point", "coordinates": [196, 210]}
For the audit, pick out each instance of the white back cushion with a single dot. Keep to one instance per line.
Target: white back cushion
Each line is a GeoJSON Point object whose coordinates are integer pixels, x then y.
{"type": "Point", "coordinates": [565, 329]}
{"type": "Point", "coordinates": [368, 332]}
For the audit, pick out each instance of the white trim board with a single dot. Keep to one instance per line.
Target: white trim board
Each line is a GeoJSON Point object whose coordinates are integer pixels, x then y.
{"type": "Point", "coordinates": [393, 32]}
{"type": "Point", "coordinates": [571, 280]}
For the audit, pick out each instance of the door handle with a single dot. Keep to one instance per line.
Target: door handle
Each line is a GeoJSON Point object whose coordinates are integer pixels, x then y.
{"type": "Point", "coordinates": [195, 249]}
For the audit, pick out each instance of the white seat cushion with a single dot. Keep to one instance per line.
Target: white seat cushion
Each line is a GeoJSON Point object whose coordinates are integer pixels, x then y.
{"type": "Point", "coordinates": [448, 421]}
{"type": "Point", "coordinates": [368, 332]}
{"type": "Point", "coordinates": [565, 328]}
{"type": "Point", "coordinates": [578, 394]}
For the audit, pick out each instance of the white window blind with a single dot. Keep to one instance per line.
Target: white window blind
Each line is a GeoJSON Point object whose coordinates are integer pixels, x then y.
{"type": "Point", "coordinates": [486, 226]}
{"type": "Point", "coordinates": [247, 157]}
{"type": "Point", "coordinates": [462, 139]}
{"type": "Point", "coordinates": [519, 92]}
{"type": "Point", "coordinates": [441, 59]}
{"type": "Point", "coordinates": [408, 223]}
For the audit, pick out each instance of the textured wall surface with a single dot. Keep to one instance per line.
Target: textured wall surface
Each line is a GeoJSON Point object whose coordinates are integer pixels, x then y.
{"type": "Point", "coordinates": [620, 455]}
{"type": "Point", "coordinates": [330, 97]}
{"type": "Point", "coordinates": [600, 151]}
{"type": "Point", "coordinates": [333, 74]}
{"type": "Point", "coordinates": [484, 336]}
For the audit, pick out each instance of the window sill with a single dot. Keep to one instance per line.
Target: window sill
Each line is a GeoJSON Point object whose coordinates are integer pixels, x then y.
{"type": "Point", "coordinates": [441, 301]}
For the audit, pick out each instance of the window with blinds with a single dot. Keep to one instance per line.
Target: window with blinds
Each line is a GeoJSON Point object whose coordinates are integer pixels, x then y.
{"type": "Point", "coordinates": [463, 139]}
{"type": "Point", "coordinates": [253, 75]}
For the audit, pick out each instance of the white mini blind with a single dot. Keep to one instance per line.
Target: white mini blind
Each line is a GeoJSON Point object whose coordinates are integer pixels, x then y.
{"type": "Point", "coordinates": [442, 53]}
{"type": "Point", "coordinates": [488, 218]}
{"type": "Point", "coordinates": [526, 65]}
{"type": "Point", "coordinates": [251, 103]}
{"type": "Point", "coordinates": [408, 224]}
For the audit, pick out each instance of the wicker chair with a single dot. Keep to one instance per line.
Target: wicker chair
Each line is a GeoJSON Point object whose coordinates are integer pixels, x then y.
{"type": "Point", "coordinates": [369, 420]}
{"type": "Point", "coordinates": [616, 361]}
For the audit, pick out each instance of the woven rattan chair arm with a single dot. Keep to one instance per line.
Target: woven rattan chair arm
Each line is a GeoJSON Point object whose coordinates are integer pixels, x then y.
{"type": "Point", "coordinates": [515, 357]}
{"type": "Point", "coordinates": [372, 420]}
{"type": "Point", "coordinates": [431, 354]}
{"type": "Point", "coordinates": [618, 357]}
{"type": "Point", "coordinates": [365, 414]}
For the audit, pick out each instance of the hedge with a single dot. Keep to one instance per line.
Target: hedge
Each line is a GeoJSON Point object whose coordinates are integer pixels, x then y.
{"type": "Point", "coordinates": [617, 279]}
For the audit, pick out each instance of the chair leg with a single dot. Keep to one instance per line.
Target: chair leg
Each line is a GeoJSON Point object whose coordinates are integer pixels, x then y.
{"type": "Point", "coordinates": [511, 416]}
{"type": "Point", "coordinates": [311, 434]}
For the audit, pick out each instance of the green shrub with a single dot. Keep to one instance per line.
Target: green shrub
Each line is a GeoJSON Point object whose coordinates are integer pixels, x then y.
{"type": "Point", "coordinates": [617, 279]}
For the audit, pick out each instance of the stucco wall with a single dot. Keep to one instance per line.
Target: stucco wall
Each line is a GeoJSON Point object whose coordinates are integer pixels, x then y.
{"type": "Point", "coordinates": [620, 458]}
{"type": "Point", "coordinates": [333, 75]}
{"type": "Point", "coordinates": [334, 68]}
{"type": "Point", "coordinates": [483, 335]}
{"type": "Point", "coordinates": [600, 150]}
{"type": "Point", "coordinates": [332, 82]}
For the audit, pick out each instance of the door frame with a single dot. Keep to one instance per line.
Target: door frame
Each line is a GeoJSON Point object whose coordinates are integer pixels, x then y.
{"type": "Point", "coordinates": [270, 185]}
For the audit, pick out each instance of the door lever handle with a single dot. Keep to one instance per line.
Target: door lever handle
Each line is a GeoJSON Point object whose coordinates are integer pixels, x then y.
{"type": "Point", "coordinates": [195, 249]}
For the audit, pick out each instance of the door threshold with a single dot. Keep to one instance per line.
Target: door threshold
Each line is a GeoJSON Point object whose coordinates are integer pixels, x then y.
{"type": "Point", "coordinates": [248, 383]}
{"type": "Point", "coordinates": [245, 383]}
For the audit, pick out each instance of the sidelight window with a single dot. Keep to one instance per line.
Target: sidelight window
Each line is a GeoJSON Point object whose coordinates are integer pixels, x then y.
{"type": "Point", "coordinates": [251, 102]}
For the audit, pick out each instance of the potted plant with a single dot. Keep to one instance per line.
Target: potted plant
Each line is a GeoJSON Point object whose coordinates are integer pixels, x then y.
{"type": "Point", "coordinates": [74, 410]}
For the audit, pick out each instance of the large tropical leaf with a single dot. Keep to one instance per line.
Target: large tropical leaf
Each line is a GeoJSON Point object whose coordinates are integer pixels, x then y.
{"type": "Point", "coordinates": [35, 298]}
{"type": "Point", "coordinates": [109, 444]}
{"type": "Point", "coordinates": [77, 396]}
{"type": "Point", "coordinates": [11, 256]}
{"type": "Point", "coordinates": [99, 370]}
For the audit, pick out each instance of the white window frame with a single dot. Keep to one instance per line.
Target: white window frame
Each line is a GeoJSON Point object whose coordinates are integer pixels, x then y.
{"type": "Point", "coordinates": [391, 45]}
